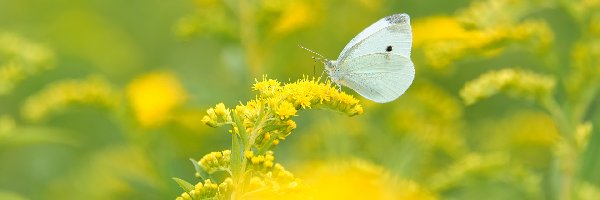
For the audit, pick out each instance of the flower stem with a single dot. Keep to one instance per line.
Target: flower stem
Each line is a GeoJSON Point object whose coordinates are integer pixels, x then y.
{"type": "Point", "coordinates": [566, 154]}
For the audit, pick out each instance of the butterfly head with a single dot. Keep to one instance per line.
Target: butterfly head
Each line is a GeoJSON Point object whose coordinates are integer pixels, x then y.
{"type": "Point", "coordinates": [332, 69]}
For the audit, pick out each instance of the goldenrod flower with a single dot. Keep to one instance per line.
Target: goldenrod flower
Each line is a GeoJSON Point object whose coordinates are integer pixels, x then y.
{"type": "Point", "coordinates": [276, 104]}
{"type": "Point", "coordinates": [153, 96]}
{"type": "Point", "coordinates": [468, 164]}
{"type": "Point", "coordinates": [260, 124]}
{"type": "Point", "coordinates": [514, 82]}
{"type": "Point", "coordinates": [206, 190]}
{"type": "Point", "coordinates": [20, 59]}
{"type": "Point", "coordinates": [216, 161]}
{"type": "Point", "coordinates": [294, 15]}
{"type": "Point", "coordinates": [285, 110]}
{"type": "Point", "coordinates": [460, 40]}
{"type": "Point", "coordinates": [94, 90]}
{"type": "Point", "coordinates": [265, 178]}
{"type": "Point", "coordinates": [358, 180]}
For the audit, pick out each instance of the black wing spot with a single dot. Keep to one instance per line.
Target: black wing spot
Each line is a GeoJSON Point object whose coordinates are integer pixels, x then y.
{"type": "Point", "coordinates": [388, 49]}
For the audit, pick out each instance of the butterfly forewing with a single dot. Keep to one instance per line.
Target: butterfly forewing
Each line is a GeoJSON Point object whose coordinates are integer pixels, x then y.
{"type": "Point", "coordinates": [391, 35]}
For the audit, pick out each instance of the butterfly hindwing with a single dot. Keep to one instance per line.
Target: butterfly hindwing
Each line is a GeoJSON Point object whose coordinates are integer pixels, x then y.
{"type": "Point", "coordinates": [381, 77]}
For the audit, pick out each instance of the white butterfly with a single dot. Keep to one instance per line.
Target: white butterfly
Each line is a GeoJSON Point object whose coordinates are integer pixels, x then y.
{"type": "Point", "coordinates": [376, 63]}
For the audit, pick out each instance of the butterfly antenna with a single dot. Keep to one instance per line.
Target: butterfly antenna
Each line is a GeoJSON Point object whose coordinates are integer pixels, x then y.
{"type": "Point", "coordinates": [320, 58]}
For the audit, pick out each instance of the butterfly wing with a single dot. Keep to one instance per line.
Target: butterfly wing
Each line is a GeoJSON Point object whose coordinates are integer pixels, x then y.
{"type": "Point", "coordinates": [391, 34]}
{"type": "Point", "coordinates": [380, 77]}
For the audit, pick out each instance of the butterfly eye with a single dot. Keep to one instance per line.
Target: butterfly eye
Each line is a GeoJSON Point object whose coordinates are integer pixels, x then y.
{"type": "Point", "coordinates": [388, 49]}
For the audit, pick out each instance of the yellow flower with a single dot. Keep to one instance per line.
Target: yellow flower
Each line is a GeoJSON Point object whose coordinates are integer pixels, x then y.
{"type": "Point", "coordinates": [266, 121]}
{"type": "Point", "coordinates": [285, 110]}
{"type": "Point", "coordinates": [267, 87]}
{"type": "Point", "coordinates": [220, 109]}
{"type": "Point", "coordinates": [468, 164]}
{"type": "Point", "coordinates": [459, 39]}
{"type": "Point", "coordinates": [216, 161]}
{"type": "Point", "coordinates": [281, 102]}
{"type": "Point", "coordinates": [153, 96]}
{"type": "Point", "coordinates": [515, 82]}
{"type": "Point", "coordinates": [94, 90]}
{"type": "Point", "coordinates": [21, 58]}
{"type": "Point", "coordinates": [294, 15]}
{"type": "Point", "coordinates": [358, 180]}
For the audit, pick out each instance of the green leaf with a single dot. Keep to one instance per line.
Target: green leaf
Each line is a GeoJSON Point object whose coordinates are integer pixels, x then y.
{"type": "Point", "coordinates": [203, 174]}
{"type": "Point", "coordinates": [184, 184]}
{"type": "Point", "coordinates": [241, 129]}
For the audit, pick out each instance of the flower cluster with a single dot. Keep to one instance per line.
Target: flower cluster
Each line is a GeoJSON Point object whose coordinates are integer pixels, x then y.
{"type": "Point", "coordinates": [153, 97]}
{"type": "Point", "coordinates": [514, 82]}
{"type": "Point", "coordinates": [217, 116]}
{"type": "Point", "coordinates": [208, 190]}
{"type": "Point", "coordinates": [268, 179]}
{"type": "Point", "coordinates": [263, 177]}
{"type": "Point", "coordinates": [485, 28]}
{"type": "Point", "coordinates": [256, 127]}
{"type": "Point", "coordinates": [92, 91]}
{"type": "Point", "coordinates": [216, 161]}
{"type": "Point", "coordinates": [275, 17]}
{"type": "Point", "coordinates": [20, 58]}
{"type": "Point", "coordinates": [267, 119]}
{"type": "Point", "coordinates": [358, 179]}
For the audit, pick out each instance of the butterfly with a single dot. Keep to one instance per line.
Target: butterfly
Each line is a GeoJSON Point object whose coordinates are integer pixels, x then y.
{"type": "Point", "coordinates": [376, 63]}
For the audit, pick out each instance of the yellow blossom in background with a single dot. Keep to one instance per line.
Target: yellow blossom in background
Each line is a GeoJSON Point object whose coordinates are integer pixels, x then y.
{"type": "Point", "coordinates": [153, 96]}
{"type": "Point", "coordinates": [469, 164]}
{"type": "Point", "coordinates": [20, 58]}
{"type": "Point", "coordinates": [514, 82]}
{"type": "Point", "coordinates": [478, 32]}
{"type": "Point", "coordinates": [358, 180]}
{"type": "Point", "coordinates": [527, 130]}
{"type": "Point", "coordinates": [93, 90]}
{"type": "Point", "coordinates": [453, 30]}
{"type": "Point", "coordinates": [432, 116]}
{"type": "Point", "coordinates": [294, 15]}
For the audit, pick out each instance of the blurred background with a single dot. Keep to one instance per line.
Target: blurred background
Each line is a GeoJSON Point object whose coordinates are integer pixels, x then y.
{"type": "Point", "coordinates": [104, 99]}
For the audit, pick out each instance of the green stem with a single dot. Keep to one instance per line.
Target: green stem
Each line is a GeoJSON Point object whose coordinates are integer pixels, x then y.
{"type": "Point", "coordinates": [587, 97]}
{"type": "Point", "coordinates": [267, 145]}
{"type": "Point", "coordinates": [564, 125]}
{"type": "Point", "coordinates": [567, 156]}
{"type": "Point", "coordinates": [248, 142]}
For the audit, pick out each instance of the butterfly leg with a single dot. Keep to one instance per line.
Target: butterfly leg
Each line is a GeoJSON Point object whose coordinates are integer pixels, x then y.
{"type": "Point", "coordinates": [321, 75]}
{"type": "Point", "coordinates": [339, 87]}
